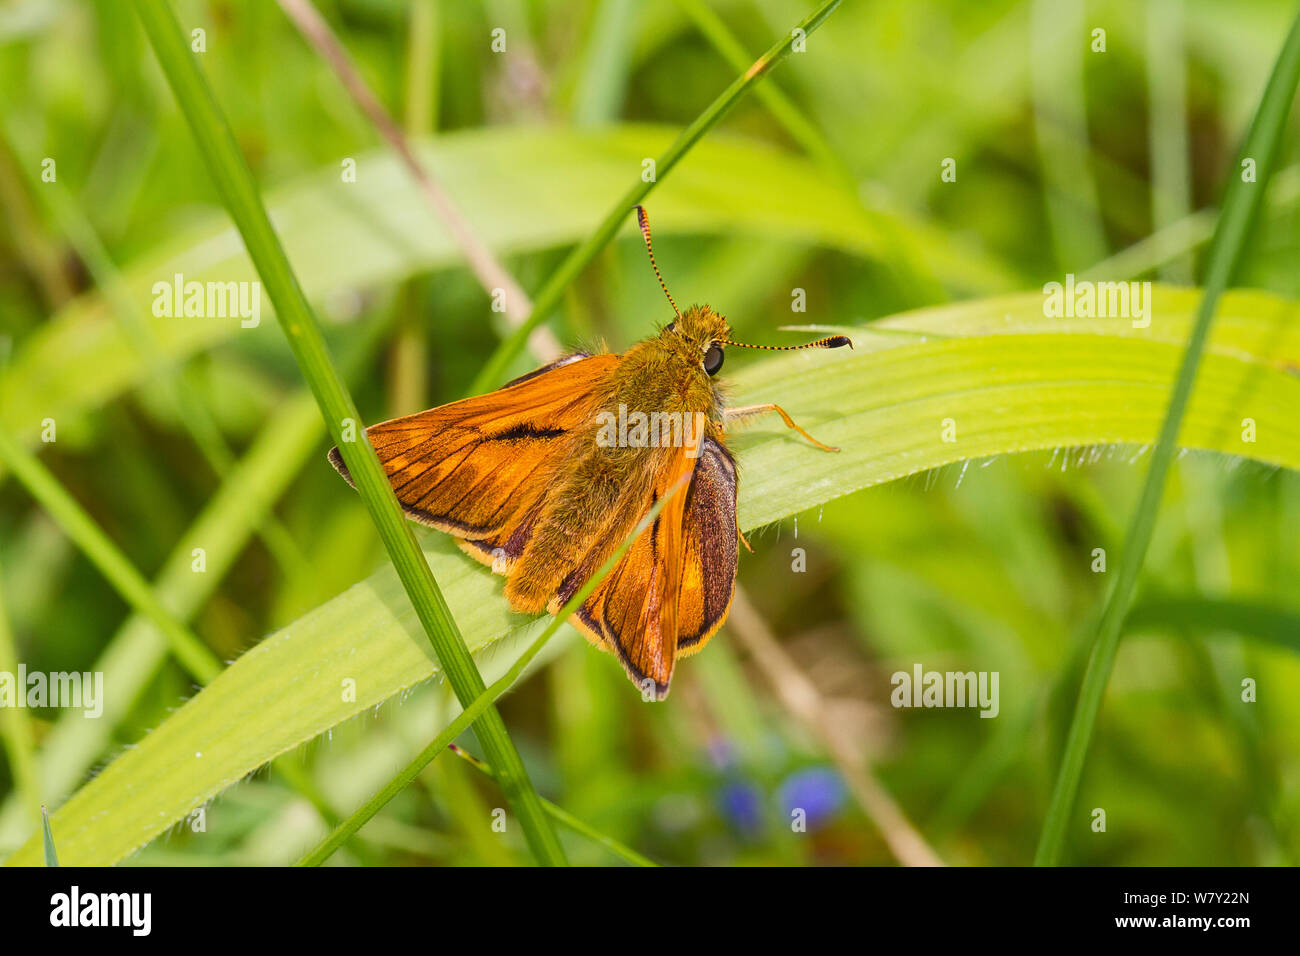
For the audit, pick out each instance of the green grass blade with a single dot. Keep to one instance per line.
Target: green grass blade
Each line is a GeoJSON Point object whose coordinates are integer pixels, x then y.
{"type": "Point", "coordinates": [1241, 203]}
{"type": "Point", "coordinates": [235, 183]}
{"type": "Point", "coordinates": [485, 699]}
{"type": "Point", "coordinates": [1215, 616]}
{"type": "Point", "coordinates": [423, 62]}
{"type": "Point", "coordinates": [47, 840]}
{"type": "Point", "coordinates": [493, 371]}
{"type": "Point", "coordinates": [606, 63]}
{"type": "Point", "coordinates": [1061, 132]}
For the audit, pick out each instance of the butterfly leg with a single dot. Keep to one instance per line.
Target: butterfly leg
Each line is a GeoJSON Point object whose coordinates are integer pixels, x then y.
{"type": "Point", "coordinates": [746, 411]}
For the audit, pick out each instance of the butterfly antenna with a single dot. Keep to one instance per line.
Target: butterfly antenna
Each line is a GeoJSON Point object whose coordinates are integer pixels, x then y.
{"type": "Point", "coordinates": [644, 223]}
{"type": "Point", "coordinates": [830, 342]}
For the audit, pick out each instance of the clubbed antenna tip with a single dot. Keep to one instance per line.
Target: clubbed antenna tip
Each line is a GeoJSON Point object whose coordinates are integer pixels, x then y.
{"type": "Point", "coordinates": [830, 342]}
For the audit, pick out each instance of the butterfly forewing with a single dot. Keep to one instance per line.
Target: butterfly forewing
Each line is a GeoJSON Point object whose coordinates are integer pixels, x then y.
{"type": "Point", "coordinates": [479, 467]}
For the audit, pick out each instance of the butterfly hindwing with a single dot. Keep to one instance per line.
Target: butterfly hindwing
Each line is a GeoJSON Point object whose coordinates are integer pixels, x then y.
{"type": "Point", "coordinates": [709, 548]}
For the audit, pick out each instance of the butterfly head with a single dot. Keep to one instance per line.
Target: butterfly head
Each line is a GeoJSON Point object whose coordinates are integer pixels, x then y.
{"type": "Point", "coordinates": [697, 336]}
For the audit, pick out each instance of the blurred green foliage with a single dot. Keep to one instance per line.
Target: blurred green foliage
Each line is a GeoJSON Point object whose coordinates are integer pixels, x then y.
{"type": "Point", "coordinates": [1064, 158]}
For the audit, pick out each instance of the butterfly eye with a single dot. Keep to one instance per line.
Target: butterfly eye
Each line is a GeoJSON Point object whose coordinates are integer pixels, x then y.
{"type": "Point", "coordinates": [713, 359]}
{"type": "Point", "coordinates": [670, 326]}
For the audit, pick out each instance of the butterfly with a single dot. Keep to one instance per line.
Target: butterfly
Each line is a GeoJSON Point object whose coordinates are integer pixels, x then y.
{"type": "Point", "coordinates": [544, 478]}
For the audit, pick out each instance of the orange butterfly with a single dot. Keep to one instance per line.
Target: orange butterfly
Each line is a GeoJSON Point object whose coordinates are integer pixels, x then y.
{"type": "Point", "coordinates": [544, 478]}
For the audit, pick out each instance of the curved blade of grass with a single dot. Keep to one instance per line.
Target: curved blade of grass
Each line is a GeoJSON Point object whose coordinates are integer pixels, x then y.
{"type": "Point", "coordinates": [235, 183]}
{"type": "Point", "coordinates": [493, 371]}
{"type": "Point", "coordinates": [484, 700]}
{"type": "Point", "coordinates": [1040, 384]}
{"type": "Point", "coordinates": [524, 189]}
{"type": "Point", "coordinates": [1241, 203]}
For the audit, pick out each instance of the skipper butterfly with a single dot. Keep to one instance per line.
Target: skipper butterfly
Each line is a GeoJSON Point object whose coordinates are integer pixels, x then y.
{"type": "Point", "coordinates": [544, 478]}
